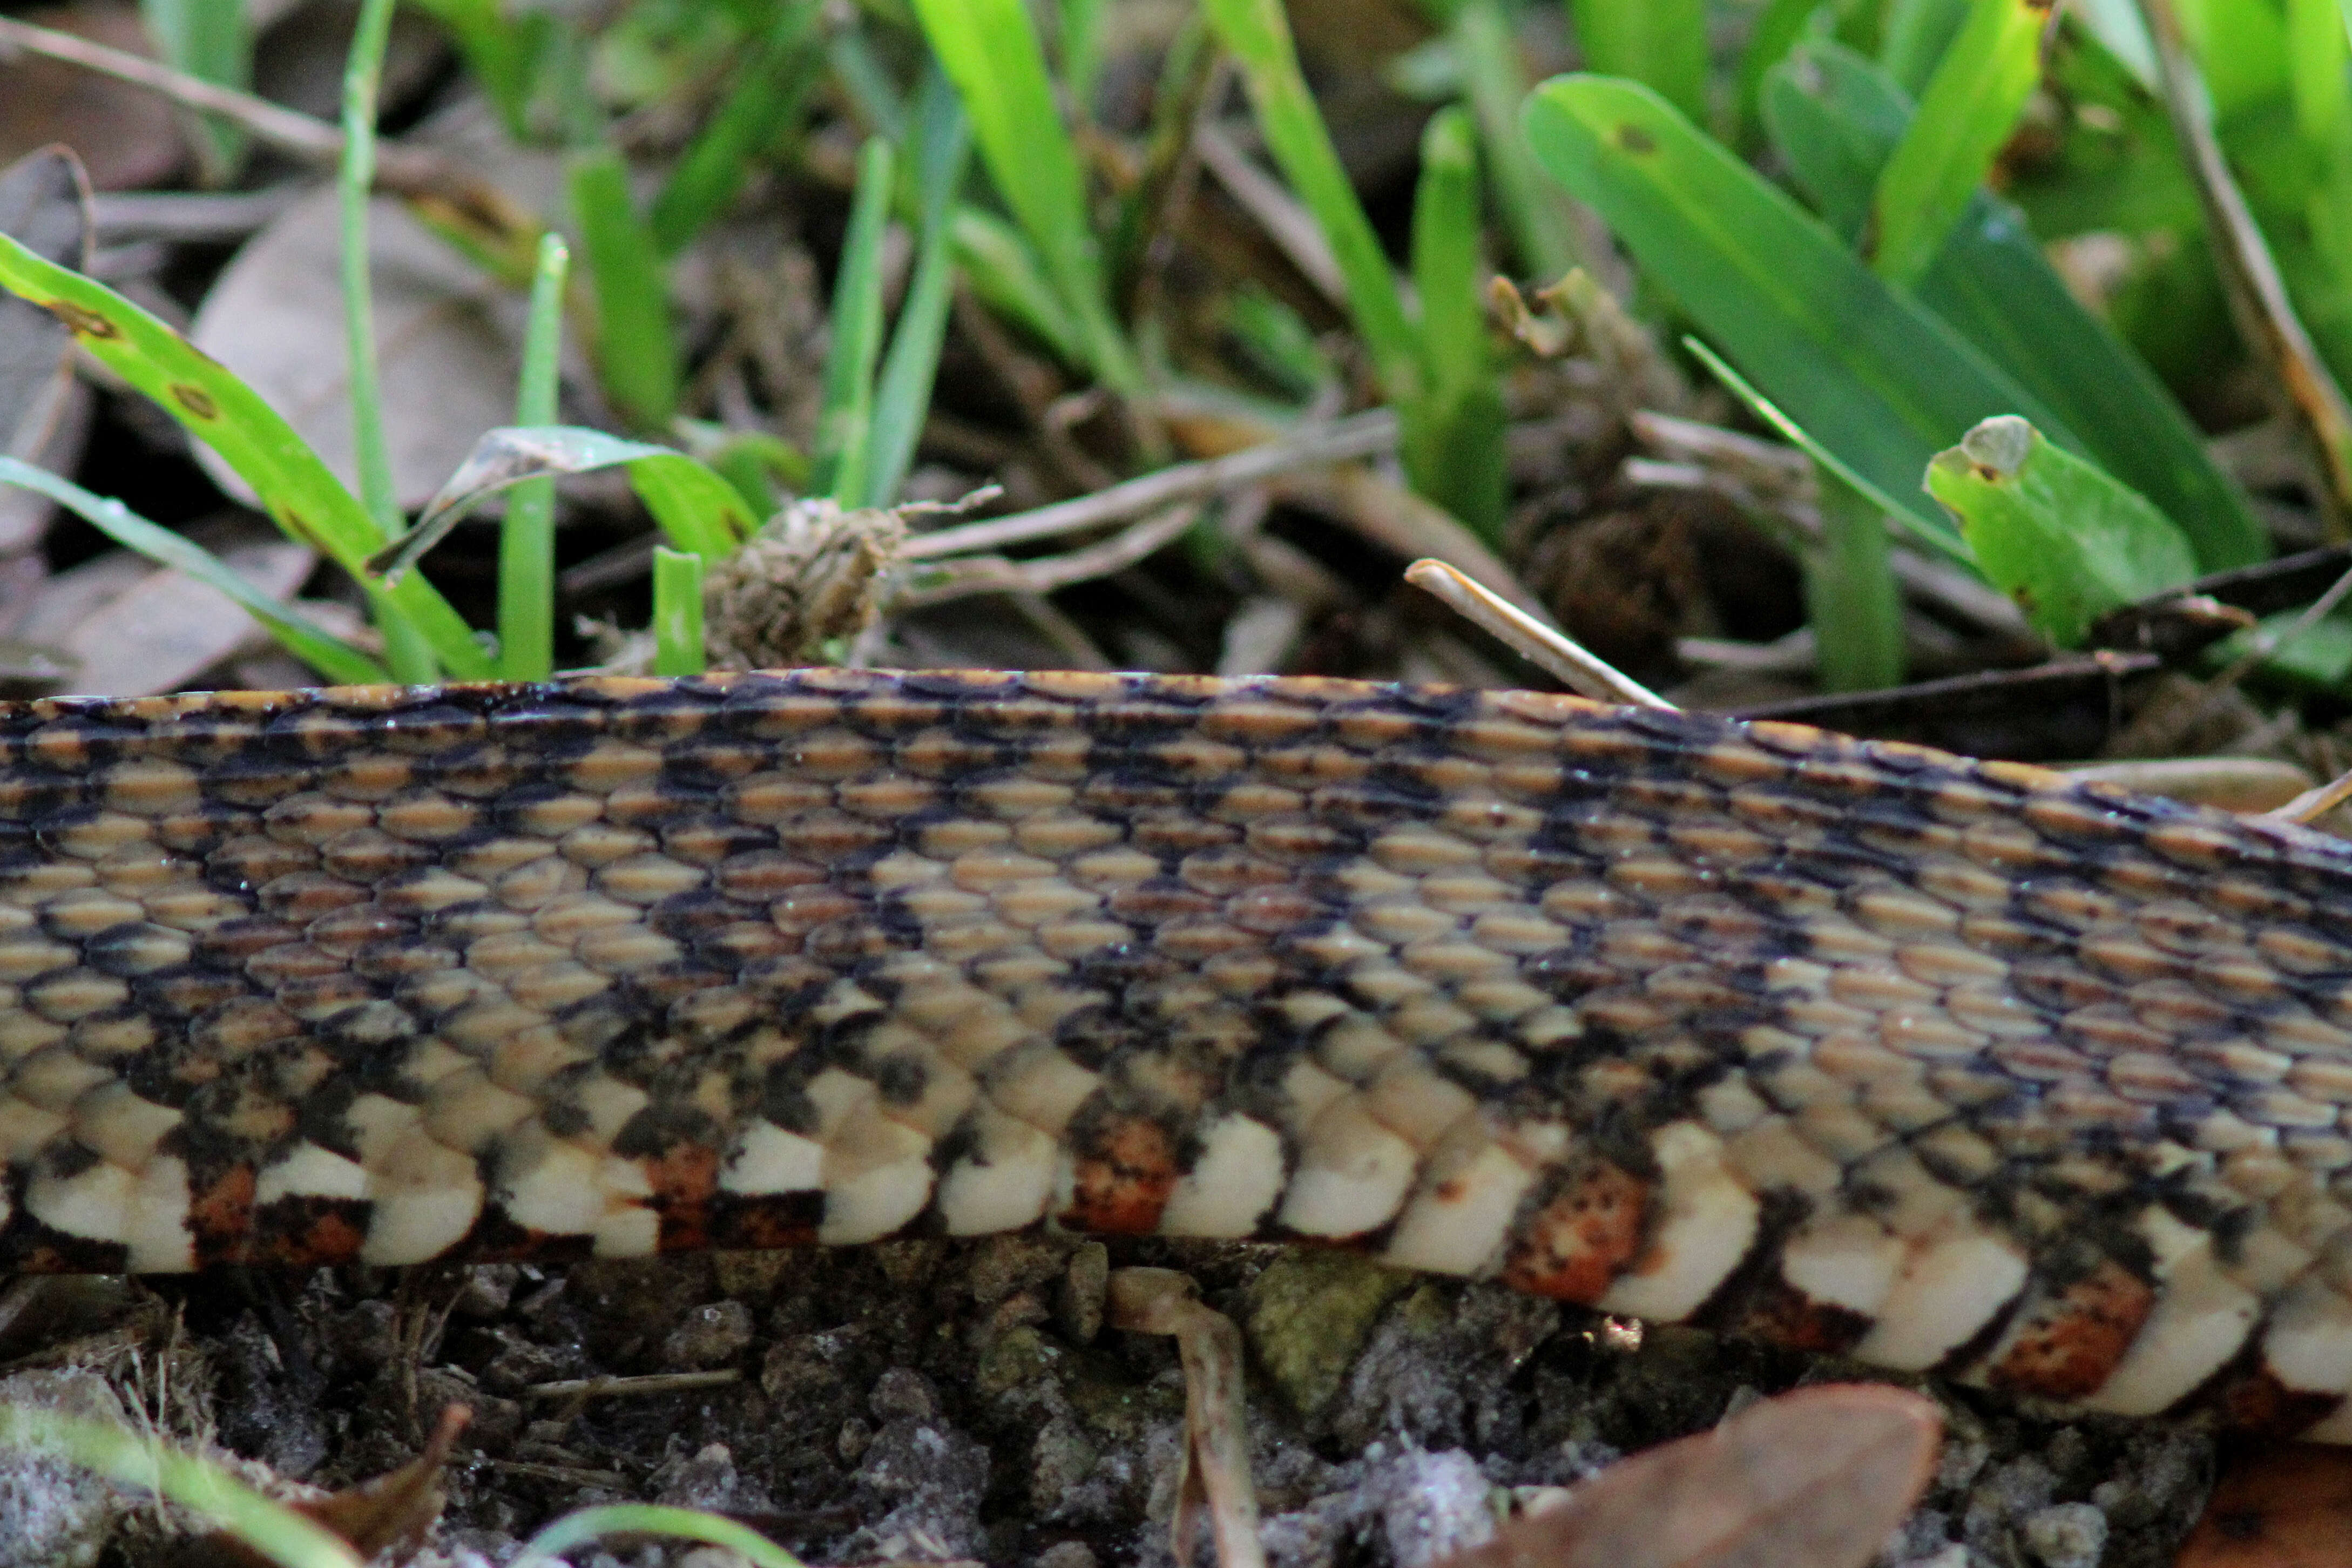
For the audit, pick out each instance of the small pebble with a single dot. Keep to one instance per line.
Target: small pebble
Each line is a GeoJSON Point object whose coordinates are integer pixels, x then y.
{"type": "Point", "coordinates": [902, 1394]}
{"type": "Point", "coordinates": [710, 1335]}
{"type": "Point", "coordinates": [1078, 1304]}
{"type": "Point", "coordinates": [2066, 1535]}
{"type": "Point", "coordinates": [487, 1290]}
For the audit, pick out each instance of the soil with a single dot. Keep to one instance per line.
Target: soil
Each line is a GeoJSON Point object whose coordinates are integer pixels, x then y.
{"type": "Point", "coordinates": [934, 1400]}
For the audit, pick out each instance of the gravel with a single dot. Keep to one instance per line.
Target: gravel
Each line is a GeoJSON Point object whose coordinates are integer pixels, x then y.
{"type": "Point", "coordinates": [964, 1400]}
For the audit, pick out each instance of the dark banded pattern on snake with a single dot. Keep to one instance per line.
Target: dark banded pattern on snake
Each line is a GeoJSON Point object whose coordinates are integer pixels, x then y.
{"type": "Point", "coordinates": [1947, 1065]}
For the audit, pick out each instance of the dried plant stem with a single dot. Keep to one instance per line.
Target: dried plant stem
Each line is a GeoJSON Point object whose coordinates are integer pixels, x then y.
{"type": "Point", "coordinates": [2156, 733]}
{"type": "Point", "coordinates": [1575, 665]}
{"type": "Point", "coordinates": [1215, 1481]}
{"type": "Point", "coordinates": [1360, 436]}
{"type": "Point", "coordinates": [409, 171]}
{"type": "Point", "coordinates": [1283, 216]}
{"type": "Point", "coordinates": [966, 574]}
{"type": "Point", "coordinates": [2258, 295]}
{"type": "Point", "coordinates": [621, 1387]}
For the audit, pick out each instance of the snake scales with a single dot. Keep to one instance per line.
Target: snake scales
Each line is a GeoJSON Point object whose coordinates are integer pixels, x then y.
{"type": "Point", "coordinates": [1861, 1047]}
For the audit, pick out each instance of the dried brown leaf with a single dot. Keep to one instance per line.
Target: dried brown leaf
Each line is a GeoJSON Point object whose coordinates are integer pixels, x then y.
{"type": "Point", "coordinates": [43, 207]}
{"type": "Point", "coordinates": [447, 341]}
{"type": "Point", "coordinates": [128, 136]}
{"type": "Point", "coordinates": [125, 627]}
{"type": "Point", "coordinates": [394, 1512]}
{"type": "Point", "coordinates": [448, 335]}
{"type": "Point", "coordinates": [385, 1520]}
{"type": "Point", "coordinates": [1816, 1479]}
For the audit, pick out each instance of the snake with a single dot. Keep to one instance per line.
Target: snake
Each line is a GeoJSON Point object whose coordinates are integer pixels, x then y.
{"type": "Point", "coordinates": [1948, 1065]}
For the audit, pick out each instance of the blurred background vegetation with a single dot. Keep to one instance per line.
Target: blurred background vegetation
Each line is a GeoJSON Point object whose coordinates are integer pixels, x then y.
{"type": "Point", "coordinates": [1777, 351]}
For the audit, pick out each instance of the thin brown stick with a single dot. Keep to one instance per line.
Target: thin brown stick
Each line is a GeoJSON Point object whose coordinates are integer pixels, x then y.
{"type": "Point", "coordinates": [1213, 1483]}
{"type": "Point", "coordinates": [619, 1387]}
{"type": "Point", "coordinates": [2258, 296]}
{"type": "Point", "coordinates": [2154, 734]}
{"type": "Point", "coordinates": [407, 170]}
{"type": "Point", "coordinates": [969, 574]}
{"type": "Point", "coordinates": [1576, 667]}
{"type": "Point", "coordinates": [1360, 436]}
{"type": "Point", "coordinates": [1283, 216]}
{"type": "Point", "coordinates": [2305, 809]}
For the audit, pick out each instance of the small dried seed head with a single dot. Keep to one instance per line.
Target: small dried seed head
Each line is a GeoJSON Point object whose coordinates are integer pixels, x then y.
{"type": "Point", "coordinates": [815, 573]}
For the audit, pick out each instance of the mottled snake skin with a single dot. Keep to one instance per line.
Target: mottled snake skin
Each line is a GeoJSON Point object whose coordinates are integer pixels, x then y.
{"type": "Point", "coordinates": [1947, 1065]}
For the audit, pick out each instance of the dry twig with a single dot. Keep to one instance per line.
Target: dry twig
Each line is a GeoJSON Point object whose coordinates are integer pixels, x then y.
{"type": "Point", "coordinates": [1531, 639]}
{"type": "Point", "coordinates": [1361, 436]}
{"type": "Point", "coordinates": [1215, 1476]}
{"type": "Point", "coordinates": [2257, 293]}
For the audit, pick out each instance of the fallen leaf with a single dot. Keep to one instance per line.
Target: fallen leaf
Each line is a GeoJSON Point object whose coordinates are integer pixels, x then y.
{"type": "Point", "coordinates": [1816, 1479]}
{"type": "Point", "coordinates": [447, 337]}
{"type": "Point", "coordinates": [126, 628]}
{"type": "Point", "coordinates": [2289, 1507]}
{"type": "Point", "coordinates": [129, 136]}
{"type": "Point", "coordinates": [44, 411]}
{"type": "Point", "coordinates": [394, 1512]}
{"type": "Point", "coordinates": [385, 1520]}
{"type": "Point", "coordinates": [43, 207]}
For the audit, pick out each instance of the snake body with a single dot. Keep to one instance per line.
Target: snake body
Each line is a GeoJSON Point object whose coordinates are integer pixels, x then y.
{"type": "Point", "coordinates": [1945, 1064]}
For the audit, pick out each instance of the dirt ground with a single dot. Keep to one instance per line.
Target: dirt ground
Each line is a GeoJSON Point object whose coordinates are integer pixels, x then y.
{"type": "Point", "coordinates": [935, 1400]}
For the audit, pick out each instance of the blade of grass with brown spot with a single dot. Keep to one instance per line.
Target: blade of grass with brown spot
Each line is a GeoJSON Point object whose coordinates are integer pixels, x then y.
{"type": "Point", "coordinates": [301, 495]}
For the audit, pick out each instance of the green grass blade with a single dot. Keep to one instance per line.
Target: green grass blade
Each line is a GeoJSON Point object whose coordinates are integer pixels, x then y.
{"type": "Point", "coordinates": [2322, 88]}
{"type": "Point", "coordinates": [1872, 375]}
{"type": "Point", "coordinates": [902, 398]}
{"type": "Point", "coordinates": [1258, 36]}
{"type": "Point", "coordinates": [206, 39]}
{"type": "Point", "coordinates": [410, 652]}
{"type": "Point", "coordinates": [699, 510]}
{"type": "Point", "coordinates": [1454, 434]}
{"type": "Point", "coordinates": [323, 651]}
{"type": "Point", "coordinates": [636, 352]}
{"type": "Point", "coordinates": [527, 540]}
{"type": "Point", "coordinates": [1851, 599]}
{"type": "Point", "coordinates": [844, 425]}
{"type": "Point", "coordinates": [754, 461]}
{"type": "Point", "coordinates": [1994, 283]}
{"type": "Point", "coordinates": [543, 1549]}
{"type": "Point", "coordinates": [1915, 36]}
{"type": "Point", "coordinates": [765, 99]}
{"type": "Point", "coordinates": [991, 51]}
{"type": "Point", "coordinates": [1970, 106]}
{"type": "Point", "coordinates": [1779, 27]}
{"type": "Point", "coordinates": [695, 506]}
{"type": "Point", "coordinates": [297, 491]}
{"type": "Point", "coordinates": [1938, 540]}
{"type": "Point", "coordinates": [678, 612]}
{"type": "Point", "coordinates": [867, 82]}
{"type": "Point", "coordinates": [1005, 273]}
{"type": "Point", "coordinates": [1495, 81]}
{"type": "Point", "coordinates": [1080, 49]}
{"type": "Point", "coordinates": [501, 53]}
{"type": "Point", "coordinates": [1836, 119]}
{"type": "Point", "coordinates": [2056, 534]}
{"type": "Point", "coordinates": [1661, 44]}
{"type": "Point", "coordinates": [271, 1529]}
